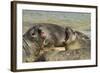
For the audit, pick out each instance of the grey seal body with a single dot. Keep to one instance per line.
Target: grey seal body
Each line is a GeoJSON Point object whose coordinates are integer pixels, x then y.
{"type": "Point", "coordinates": [53, 34]}
{"type": "Point", "coordinates": [39, 36]}
{"type": "Point", "coordinates": [48, 35]}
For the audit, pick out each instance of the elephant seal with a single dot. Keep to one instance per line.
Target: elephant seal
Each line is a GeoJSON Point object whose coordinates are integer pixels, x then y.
{"type": "Point", "coordinates": [51, 33]}
{"type": "Point", "coordinates": [31, 45]}
{"type": "Point", "coordinates": [76, 40]}
{"type": "Point", "coordinates": [41, 35]}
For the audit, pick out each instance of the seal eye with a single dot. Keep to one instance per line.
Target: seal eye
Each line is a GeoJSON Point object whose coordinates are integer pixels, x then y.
{"type": "Point", "coordinates": [33, 33]}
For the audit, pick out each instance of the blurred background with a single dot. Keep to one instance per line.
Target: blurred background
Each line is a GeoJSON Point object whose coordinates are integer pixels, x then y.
{"type": "Point", "coordinates": [78, 21]}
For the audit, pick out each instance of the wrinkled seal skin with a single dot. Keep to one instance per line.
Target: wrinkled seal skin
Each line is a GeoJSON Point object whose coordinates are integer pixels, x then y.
{"type": "Point", "coordinates": [39, 36]}
{"type": "Point", "coordinates": [48, 35]}
{"type": "Point", "coordinates": [77, 46]}
{"type": "Point", "coordinates": [53, 34]}
{"type": "Point", "coordinates": [31, 45]}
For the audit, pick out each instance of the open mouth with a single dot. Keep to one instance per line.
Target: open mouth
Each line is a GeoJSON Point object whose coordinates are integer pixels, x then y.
{"type": "Point", "coordinates": [66, 35]}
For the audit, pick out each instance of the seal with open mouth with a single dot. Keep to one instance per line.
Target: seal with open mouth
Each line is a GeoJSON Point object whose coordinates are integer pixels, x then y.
{"type": "Point", "coordinates": [39, 36]}
{"type": "Point", "coordinates": [76, 40]}
{"type": "Point", "coordinates": [43, 35]}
